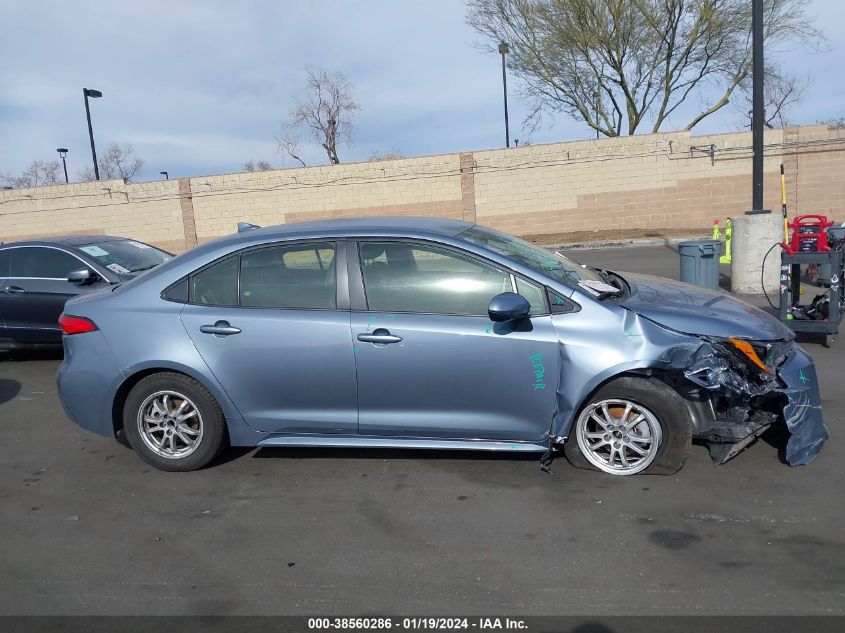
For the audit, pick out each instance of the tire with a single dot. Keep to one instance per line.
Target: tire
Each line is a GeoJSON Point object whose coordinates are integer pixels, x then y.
{"type": "Point", "coordinates": [173, 422]}
{"type": "Point", "coordinates": [659, 424]}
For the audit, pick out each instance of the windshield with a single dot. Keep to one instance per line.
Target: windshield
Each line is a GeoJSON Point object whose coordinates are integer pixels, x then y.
{"type": "Point", "coordinates": [554, 265]}
{"type": "Point", "coordinates": [125, 256]}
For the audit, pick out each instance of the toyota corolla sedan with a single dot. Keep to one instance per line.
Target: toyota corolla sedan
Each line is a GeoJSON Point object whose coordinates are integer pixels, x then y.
{"type": "Point", "coordinates": [428, 333]}
{"type": "Point", "coordinates": [37, 277]}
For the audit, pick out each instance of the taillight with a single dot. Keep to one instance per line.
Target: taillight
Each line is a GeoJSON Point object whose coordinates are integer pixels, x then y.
{"type": "Point", "coordinates": [75, 325]}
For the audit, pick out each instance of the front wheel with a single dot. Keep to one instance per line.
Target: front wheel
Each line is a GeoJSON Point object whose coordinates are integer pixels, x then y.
{"type": "Point", "coordinates": [173, 422]}
{"type": "Point", "coordinates": [631, 425]}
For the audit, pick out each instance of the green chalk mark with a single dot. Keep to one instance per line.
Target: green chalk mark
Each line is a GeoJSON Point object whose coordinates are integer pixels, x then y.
{"type": "Point", "coordinates": [802, 377]}
{"type": "Point", "coordinates": [539, 371]}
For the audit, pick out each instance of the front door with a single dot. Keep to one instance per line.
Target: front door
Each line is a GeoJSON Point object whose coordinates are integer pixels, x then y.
{"type": "Point", "coordinates": [431, 363]}
{"type": "Point", "coordinates": [276, 341]}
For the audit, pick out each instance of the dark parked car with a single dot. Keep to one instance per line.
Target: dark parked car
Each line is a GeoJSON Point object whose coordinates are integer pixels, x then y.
{"type": "Point", "coordinates": [37, 277]}
{"type": "Point", "coordinates": [426, 333]}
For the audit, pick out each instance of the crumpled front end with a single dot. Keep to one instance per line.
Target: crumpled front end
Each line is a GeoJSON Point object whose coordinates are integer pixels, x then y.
{"type": "Point", "coordinates": [749, 388]}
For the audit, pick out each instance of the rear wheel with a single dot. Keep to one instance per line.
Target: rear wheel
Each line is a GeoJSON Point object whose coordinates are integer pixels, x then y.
{"type": "Point", "coordinates": [173, 422]}
{"type": "Point", "coordinates": [631, 425]}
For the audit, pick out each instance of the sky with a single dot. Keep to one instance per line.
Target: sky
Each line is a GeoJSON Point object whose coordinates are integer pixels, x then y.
{"type": "Point", "coordinates": [201, 87]}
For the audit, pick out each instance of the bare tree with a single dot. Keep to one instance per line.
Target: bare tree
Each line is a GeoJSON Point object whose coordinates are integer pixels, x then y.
{"type": "Point", "coordinates": [391, 154]}
{"type": "Point", "coordinates": [119, 161]}
{"type": "Point", "coordinates": [326, 114]}
{"type": "Point", "coordinates": [782, 90]}
{"type": "Point", "coordinates": [261, 165]}
{"type": "Point", "coordinates": [620, 64]}
{"type": "Point", "coordinates": [38, 173]}
{"type": "Point", "coordinates": [835, 123]}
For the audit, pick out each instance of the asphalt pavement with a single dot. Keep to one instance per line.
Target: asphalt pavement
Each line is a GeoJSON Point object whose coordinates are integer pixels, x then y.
{"type": "Point", "coordinates": [88, 528]}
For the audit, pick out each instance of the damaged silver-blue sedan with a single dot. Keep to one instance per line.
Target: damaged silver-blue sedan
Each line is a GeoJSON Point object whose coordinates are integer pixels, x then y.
{"type": "Point", "coordinates": [426, 333]}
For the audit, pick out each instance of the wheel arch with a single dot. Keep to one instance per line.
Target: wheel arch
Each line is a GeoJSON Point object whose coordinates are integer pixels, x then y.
{"type": "Point", "coordinates": [137, 374]}
{"type": "Point", "coordinates": [674, 379]}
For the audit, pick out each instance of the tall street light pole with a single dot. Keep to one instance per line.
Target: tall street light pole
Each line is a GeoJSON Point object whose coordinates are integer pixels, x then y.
{"type": "Point", "coordinates": [165, 174]}
{"type": "Point", "coordinates": [93, 94]}
{"type": "Point", "coordinates": [62, 153]}
{"type": "Point", "coordinates": [504, 49]}
{"type": "Point", "coordinates": [758, 116]}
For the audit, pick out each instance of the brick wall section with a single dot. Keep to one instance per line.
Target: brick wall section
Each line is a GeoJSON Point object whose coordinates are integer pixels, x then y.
{"type": "Point", "coordinates": [468, 208]}
{"type": "Point", "coordinates": [186, 205]}
{"type": "Point", "coordinates": [650, 182]}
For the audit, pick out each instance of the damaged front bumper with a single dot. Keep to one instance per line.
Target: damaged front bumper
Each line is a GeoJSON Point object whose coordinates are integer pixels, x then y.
{"type": "Point", "coordinates": [744, 401]}
{"type": "Point", "coordinates": [803, 409]}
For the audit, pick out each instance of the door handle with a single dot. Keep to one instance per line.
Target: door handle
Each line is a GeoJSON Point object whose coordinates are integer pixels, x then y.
{"type": "Point", "coordinates": [220, 328]}
{"type": "Point", "coordinates": [379, 335]}
{"type": "Point", "coordinates": [14, 290]}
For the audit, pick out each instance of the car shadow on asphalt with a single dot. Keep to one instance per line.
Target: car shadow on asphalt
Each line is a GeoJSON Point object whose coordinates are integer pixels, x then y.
{"type": "Point", "coordinates": [777, 436]}
{"type": "Point", "coordinates": [8, 389]}
{"type": "Point", "coordinates": [18, 355]}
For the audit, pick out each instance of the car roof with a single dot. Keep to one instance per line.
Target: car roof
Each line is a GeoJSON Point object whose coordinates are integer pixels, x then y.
{"type": "Point", "coordinates": [353, 227]}
{"type": "Point", "coordinates": [379, 224]}
{"type": "Point", "coordinates": [65, 240]}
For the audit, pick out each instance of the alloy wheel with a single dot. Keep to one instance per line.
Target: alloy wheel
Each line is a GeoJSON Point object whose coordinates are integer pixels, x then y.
{"type": "Point", "coordinates": [618, 436]}
{"type": "Point", "coordinates": [170, 424]}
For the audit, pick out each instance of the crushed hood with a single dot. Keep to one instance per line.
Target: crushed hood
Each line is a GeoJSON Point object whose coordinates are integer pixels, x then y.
{"type": "Point", "coordinates": [695, 310]}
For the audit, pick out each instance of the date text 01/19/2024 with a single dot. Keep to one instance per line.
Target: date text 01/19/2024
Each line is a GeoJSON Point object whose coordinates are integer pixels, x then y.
{"type": "Point", "coordinates": [416, 624]}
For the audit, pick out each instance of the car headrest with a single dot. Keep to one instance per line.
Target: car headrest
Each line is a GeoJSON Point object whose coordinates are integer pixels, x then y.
{"type": "Point", "coordinates": [371, 251]}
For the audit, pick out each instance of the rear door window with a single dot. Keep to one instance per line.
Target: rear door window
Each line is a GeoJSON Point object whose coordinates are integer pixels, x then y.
{"type": "Point", "coordinates": [279, 276]}
{"type": "Point", "coordinates": [290, 276]}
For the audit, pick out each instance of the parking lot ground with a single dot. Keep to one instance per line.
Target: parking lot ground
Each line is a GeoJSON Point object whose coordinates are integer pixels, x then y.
{"type": "Point", "coordinates": [88, 528]}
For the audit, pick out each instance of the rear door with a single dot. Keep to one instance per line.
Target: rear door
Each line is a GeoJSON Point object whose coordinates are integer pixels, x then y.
{"type": "Point", "coordinates": [431, 363]}
{"type": "Point", "coordinates": [272, 324]}
{"type": "Point", "coordinates": [34, 294]}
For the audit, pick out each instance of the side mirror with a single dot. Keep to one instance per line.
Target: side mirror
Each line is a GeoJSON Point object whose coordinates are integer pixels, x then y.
{"type": "Point", "coordinates": [508, 306]}
{"type": "Point", "coordinates": [81, 276]}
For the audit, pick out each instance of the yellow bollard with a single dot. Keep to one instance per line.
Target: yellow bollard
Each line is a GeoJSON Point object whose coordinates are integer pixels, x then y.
{"type": "Point", "coordinates": [726, 258]}
{"type": "Point", "coordinates": [716, 235]}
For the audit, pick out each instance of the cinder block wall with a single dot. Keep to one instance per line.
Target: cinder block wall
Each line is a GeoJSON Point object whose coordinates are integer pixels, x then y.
{"type": "Point", "coordinates": [652, 183]}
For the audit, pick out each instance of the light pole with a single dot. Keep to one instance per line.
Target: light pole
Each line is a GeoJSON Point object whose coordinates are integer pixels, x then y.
{"type": "Point", "coordinates": [758, 116]}
{"type": "Point", "coordinates": [94, 94]}
{"type": "Point", "coordinates": [504, 49]}
{"type": "Point", "coordinates": [62, 153]}
{"type": "Point", "coordinates": [164, 173]}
